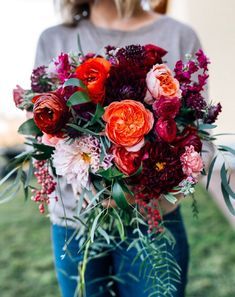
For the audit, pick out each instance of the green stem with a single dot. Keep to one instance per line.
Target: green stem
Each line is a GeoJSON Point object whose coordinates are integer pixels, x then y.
{"type": "Point", "coordinates": [83, 270]}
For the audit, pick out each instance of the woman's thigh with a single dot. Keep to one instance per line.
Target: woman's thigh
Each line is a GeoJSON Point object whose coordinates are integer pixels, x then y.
{"type": "Point", "coordinates": [123, 263]}
{"type": "Point", "coordinates": [67, 265]}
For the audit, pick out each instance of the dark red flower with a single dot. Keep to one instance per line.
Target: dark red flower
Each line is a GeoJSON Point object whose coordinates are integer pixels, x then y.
{"type": "Point", "coordinates": [161, 170]}
{"type": "Point", "coordinates": [50, 112]}
{"type": "Point", "coordinates": [166, 129]}
{"type": "Point", "coordinates": [153, 54]}
{"type": "Point", "coordinates": [167, 107]}
{"type": "Point", "coordinates": [40, 82]}
{"type": "Point", "coordinates": [188, 137]}
{"type": "Point", "coordinates": [212, 114]}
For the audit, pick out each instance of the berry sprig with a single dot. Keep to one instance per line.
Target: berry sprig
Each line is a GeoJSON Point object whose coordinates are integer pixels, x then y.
{"type": "Point", "coordinates": [47, 183]}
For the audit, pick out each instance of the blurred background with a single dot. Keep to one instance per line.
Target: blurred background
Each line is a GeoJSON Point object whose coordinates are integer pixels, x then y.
{"type": "Point", "coordinates": [26, 264]}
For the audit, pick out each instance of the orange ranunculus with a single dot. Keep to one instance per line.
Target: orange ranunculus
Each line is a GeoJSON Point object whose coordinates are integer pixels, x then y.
{"type": "Point", "coordinates": [126, 162]}
{"type": "Point", "coordinates": [93, 73]}
{"type": "Point", "coordinates": [50, 112]}
{"type": "Point", "coordinates": [128, 122]}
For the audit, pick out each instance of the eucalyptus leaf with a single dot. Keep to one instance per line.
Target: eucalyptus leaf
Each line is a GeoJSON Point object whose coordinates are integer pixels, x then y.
{"type": "Point", "coordinates": [223, 175]}
{"type": "Point", "coordinates": [83, 130]}
{"type": "Point", "coordinates": [227, 200]}
{"type": "Point", "coordinates": [227, 149]}
{"type": "Point", "coordinates": [207, 126]}
{"type": "Point", "coordinates": [94, 226]}
{"type": "Point", "coordinates": [210, 170]}
{"type": "Point", "coordinates": [104, 234]}
{"type": "Point", "coordinates": [171, 198]}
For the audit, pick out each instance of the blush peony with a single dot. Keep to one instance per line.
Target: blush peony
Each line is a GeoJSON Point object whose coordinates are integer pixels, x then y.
{"type": "Point", "coordinates": [127, 122]}
{"type": "Point", "coordinates": [160, 82]}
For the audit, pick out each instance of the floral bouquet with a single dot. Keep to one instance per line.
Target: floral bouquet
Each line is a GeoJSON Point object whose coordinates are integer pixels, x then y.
{"type": "Point", "coordinates": [123, 130]}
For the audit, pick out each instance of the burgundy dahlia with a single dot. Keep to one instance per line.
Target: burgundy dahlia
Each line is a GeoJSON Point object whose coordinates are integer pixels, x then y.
{"type": "Point", "coordinates": [161, 169]}
{"type": "Point", "coordinates": [126, 81]}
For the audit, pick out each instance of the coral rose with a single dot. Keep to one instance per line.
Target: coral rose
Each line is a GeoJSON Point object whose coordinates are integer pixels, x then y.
{"type": "Point", "coordinates": [160, 82]}
{"type": "Point", "coordinates": [127, 162]}
{"type": "Point", "coordinates": [50, 112]}
{"type": "Point", "coordinates": [93, 73]}
{"type": "Point", "coordinates": [128, 122]}
{"type": "Point", "coordinates": [191, 162]}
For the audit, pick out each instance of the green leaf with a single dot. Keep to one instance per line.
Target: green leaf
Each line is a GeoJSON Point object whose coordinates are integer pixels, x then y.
{"type": "Point", "coordinates": [94, 226]}
{"type": "Point", "coordinates": [119, 196]}
{"type": "Point", "coordinates": [227, 200]}
{"type": "Point", "coordinates": [210, 170]}
{"type": "Point", "coordinates": [171, 198]}
{"type": "Point", "coordinates": [78, 98]}
{"type": "Point", "coordinates": [5, 178]}
{"type": "Point", "coordinates": [119, 224]}
{"type": "Point", "coordinates": [111, 173]}
{"type": "Point", "coordinates": [206, 126]}
{"type": "Point", "coordinates": [83, 130]}
{"type": "Point", "coordinates": [74, 82]}
{"type": "Point", "coordinates": [98, 114]}
{"type": "Point", "coordinates": [227, 149]}
{"type": "Point", "coordinates": [226, 186]}
{"type": "Point", "coordinates": [104, 234]}
{"type": "Point", "coordinates": [29, 128]}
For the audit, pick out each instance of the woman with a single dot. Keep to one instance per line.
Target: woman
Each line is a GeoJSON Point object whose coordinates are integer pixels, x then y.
{"type": "Point", "coordinates": [118, 23]}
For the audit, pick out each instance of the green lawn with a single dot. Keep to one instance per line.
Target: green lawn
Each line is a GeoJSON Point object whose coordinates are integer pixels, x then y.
{"type": "Point", "coordinates": [26, 265]}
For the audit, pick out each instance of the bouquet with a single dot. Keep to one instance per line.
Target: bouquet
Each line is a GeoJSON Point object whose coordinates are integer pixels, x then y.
{"type": "Point", "coordinates": [122, 129]}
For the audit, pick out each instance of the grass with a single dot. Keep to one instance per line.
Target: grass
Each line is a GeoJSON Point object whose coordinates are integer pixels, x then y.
{"type": "Point", "coordinates": [26, 264]}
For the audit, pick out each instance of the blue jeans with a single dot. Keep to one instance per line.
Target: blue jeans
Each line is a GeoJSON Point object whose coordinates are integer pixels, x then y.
{"type": "Point", "coordinates": [116, 262]}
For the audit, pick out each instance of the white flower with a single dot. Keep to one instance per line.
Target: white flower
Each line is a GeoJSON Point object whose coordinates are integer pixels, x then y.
{"type": "Point", "coordinates": [74, 160]}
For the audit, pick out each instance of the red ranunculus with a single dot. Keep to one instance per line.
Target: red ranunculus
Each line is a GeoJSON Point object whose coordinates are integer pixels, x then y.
{"type": "Point", "coordinates": [127, 162]}
{"type": "Point", "coordinates": [167, 107]}
{"type": "Point", "coordinates": [166, 129]}
{"type": "Point", "coordinates": [93, 73]}
{"type": "Point", "coordinates": [189, 137]}
{"type": "Point", "coordinates": [50, 112]}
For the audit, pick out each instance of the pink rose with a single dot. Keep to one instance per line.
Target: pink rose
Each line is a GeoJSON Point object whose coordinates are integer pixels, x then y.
{"type": "Point", "coordinates": [167, 107]}
{"type": "Point", "coordinates": [192, 164]}
{"type": "Point", "coordinates": [166, 129]}
{"type": "Point", "coordinates": [160, 82]}
{"type": "Point", "coordinates": [18, 94]}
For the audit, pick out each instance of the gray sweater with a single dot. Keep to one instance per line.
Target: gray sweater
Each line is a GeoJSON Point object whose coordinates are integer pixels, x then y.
{"type": "Point", "coordinates": [178, 39]}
